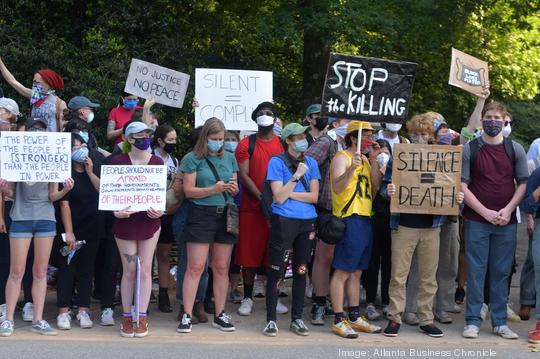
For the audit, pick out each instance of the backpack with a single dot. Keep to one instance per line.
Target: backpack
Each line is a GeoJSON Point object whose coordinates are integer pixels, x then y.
{"type": "Point", "coordinates": [475, 146]}
{"type": "Point", "coordinates": [252, 142]}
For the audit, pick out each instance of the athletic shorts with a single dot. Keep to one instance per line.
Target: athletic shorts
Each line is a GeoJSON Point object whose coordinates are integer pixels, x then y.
{"type": "Point", "coordinates": [207, 224]}
{"type": "Point", "coordinates": [29, 229]}
{"type": "Point", "coordinates": [353, 252]}
{"type": "Point", "coordinates": [166, 235]}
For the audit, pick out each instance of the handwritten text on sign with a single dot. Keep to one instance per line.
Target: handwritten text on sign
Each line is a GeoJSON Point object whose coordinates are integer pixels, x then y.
{"type": "Point", "coordinates": [231, 96]}
{"type": "Point", "coordinates": [427, 179]}
{"type": "Point", "coordinates": [139, 187]}
{"type": "Point", "coordinates": [468, 72]}
{"type": "Point", "coordinates": [35, 156]}
{"type": "Point", "coordinates": [369, 89]}
{"type": "Point", "coordinates": [147, 80]}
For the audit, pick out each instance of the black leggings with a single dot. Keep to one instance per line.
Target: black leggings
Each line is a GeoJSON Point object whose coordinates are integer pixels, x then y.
{"type": "Point", "coordinates": [287, 234]}
{"type": "Point", "coordinates": [380, 258]}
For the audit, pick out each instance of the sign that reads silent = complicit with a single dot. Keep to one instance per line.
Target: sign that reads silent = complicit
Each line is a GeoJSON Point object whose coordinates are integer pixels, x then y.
{"type": "Point", "coordinates": [231, 96]}
{"type": "Point", "coordinates": [148, 80]}
{"type": "Point", "coordinates": [427, 179]}
{"type": "Point", "coordinates": [35, 156]}
{"type": "Point", "coordinates": [140, 187]}
{"type": "Point", "coordinates": [367, 89]}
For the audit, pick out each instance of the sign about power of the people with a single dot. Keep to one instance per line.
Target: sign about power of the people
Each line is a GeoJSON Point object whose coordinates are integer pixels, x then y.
{"type": "Point", "coordinates": [35, 156]}
{"type": "Point", "coordinates": [368, 89]}
{"type": "Point", "coordinates": [138, 187]}
{"type": "Point", "coordinates": [427, 179]}
{"type": "Point", "coordinates": [231, 96]}
{"type": "Point", "coordinates": [148, 80]}
{"type": "Point", "coordinates": [468, 72]}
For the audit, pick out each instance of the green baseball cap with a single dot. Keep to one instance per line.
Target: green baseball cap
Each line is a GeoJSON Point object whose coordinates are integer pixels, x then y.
{"type": "Point", "coordinates": [313, 108]}
{"type": "Point", "coordinates": [293, 129]}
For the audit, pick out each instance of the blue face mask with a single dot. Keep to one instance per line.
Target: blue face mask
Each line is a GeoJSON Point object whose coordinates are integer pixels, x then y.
{"type": "Point", "coordinates": [214, 145]}
{"type": "Point", "coordinates": [277, 129]}
{"type": "Point", "coordinates": [85, 136]}
{"type": "Point", "coordinates": [80, 155]}
{"type": "Point", "coordinates": [230, 146]}
{"type": "Point", "coordinates": [130, 104]}
{"type": "Point", "coordinates": [301, 146]}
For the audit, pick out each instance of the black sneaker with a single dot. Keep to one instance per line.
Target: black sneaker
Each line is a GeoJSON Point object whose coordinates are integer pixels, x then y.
{"type": "Point", "coordinates": [391, 329]}
{"type": "Point", "coordinates": [459, 296]}
{"type": "Point", "coordinates": [223, 322]}
{"type": "Point", "coordinates": [185, 324]}
{"type": "Point", "coordinates": [431, 330]}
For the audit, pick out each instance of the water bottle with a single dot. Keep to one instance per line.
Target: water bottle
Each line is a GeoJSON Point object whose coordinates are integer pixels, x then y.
{"type": "Point", "coordinates": [66, 250]}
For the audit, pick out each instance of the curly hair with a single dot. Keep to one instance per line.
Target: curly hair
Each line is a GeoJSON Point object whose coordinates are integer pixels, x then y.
{"type": "Point", "coordinates": [421, 123]}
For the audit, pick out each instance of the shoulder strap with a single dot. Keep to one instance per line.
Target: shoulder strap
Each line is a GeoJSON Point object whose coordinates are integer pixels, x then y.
{"type": "Point", "coordinates": [252, 142]}
{"type": "Point", "coordinates": [288, 164]}
{"type": "Point", "coordinates": [333, 146]}
{"type": "Point", "coordinates": [216, 175]}
{"type": "Point", "coordinates": [510, 152]}
{"type": "Point", "coordinates": [474, 146]}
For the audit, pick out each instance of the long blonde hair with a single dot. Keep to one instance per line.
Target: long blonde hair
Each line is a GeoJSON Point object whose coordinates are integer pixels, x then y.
{"type": "Point", "coordinates": [211, 127]}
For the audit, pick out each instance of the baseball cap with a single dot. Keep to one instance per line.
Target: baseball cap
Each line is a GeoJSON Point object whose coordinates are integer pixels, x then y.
{"type": "Point", "coordinates": [32, 121]}
{"type": "Point", "coordinates": [293, 129]}
{"type": "Point", "coordinates": [355, 126]}
{"type": "Point", "coordinates": [313, 108]}
{"type": "Point", "coordinates": [136, 127]}
{"type": "Point", "coordinates": [79, 102]}
{"type": "Point", "coordinates": [10, 105]}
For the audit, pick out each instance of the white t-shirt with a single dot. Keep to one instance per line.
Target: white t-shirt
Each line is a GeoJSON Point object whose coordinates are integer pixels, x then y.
{"type": "Point", "coordinates": [391, 141]}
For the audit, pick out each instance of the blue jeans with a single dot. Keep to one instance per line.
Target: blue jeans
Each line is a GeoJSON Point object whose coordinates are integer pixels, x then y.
{"type": "Point", "coordinates": [493, 246]}
{"type": "Point", "coordinates": [527, 292]}
{"type": "Point", "coordinates": [536, 259]}
{"type": "Point", "coordinates": [179, 223]}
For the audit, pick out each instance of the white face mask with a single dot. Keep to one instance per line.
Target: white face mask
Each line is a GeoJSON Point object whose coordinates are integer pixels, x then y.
{"type": "Point", "coordinates": [393, 127]}
{"type": "Point", "coordinates": [507, 130]}
{"type": "Point", "coordinates": [382, 159]}
{"type": "Point", "coordinates": [265, 121]}
{"type": "Point", "coordinates": [341, 131]}
{"type": "Point", "coordinates": [90, 117]}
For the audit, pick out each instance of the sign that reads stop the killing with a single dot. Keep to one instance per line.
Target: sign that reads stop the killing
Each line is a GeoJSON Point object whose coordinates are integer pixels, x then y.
{"type": "Point", "coordinates": [427, 179]}
{"type": "Point", "coordinates": [368, 89]}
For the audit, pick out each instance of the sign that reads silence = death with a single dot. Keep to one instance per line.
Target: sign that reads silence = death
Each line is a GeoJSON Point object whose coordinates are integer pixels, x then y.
{"type": "Point", "coordinates": [147, 80]}
{"type": "Point", "coordinates": [231, 96]}
{"type": "Point", "coordinates": [35, 156]}
{"type": "Point", "coordinates": [427, 179]}
{"type": "Point", "coordinates": [368, 89]}
{"type": "Point", "coordinates": [468, 72]}
{"type": "Point", "coordinates": [139, 187]}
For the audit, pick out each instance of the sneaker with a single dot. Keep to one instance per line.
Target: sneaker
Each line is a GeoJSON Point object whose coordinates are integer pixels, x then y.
{"type": "Point", "coordinates": [505, 332]}
{"type": "Point", "coordinates": [459, 296]}
{"type": "Point", "coordinates": [223, 322]}
{"type": "Point", "coordinates": [456, 309]}
{"type": "Point", "coordinates": [362, 325]}
{"type": "Point", "coordinates": [511, 315]}
{"type": "Point", "coordinates": [524, 312]}
{"type": "Point", "coordinates": [63, 321]}
{"type": "Point", "coordinates": [185, 324]}
{"type": "Point", "coordinates": [259, 288]}
{"type": "Point", "coordinates": [411, 318]}
{"type": "Point", "coordinates": [3, 310]}
{"type": "Point", "coordinates": [142, 329]}
{"type": "Point", "coordinates": [484, 311]}
{"type": "Point", "coordinates": [534, 335]}
{"type": "Point", "coordinates": [84, 320]}
{"type": "Point", "coordinates": [443, 317]}
{"type": "Point", "coordinates": [43, 328]}
{"type": "Point", "coordinates": [28, 312]}
{"type": "Point", "coordinates": [281, 308]}
{"type": "Point", "coordinates": [246, 306]}
{"type": "Point", "coordinates": [126, 328]}
{"type": "Point", "coordinates": [6, 328]}
{"type": "Point", "coordinates": [317, 314]}
{"type": "Point", "coordinates": [271, 329]}
{"type": "Point", "coordinates": [344, 330]}
{"type": "Point", "coordinates": [431, 330]}
{"type": "Point", "coordinates": [392, 329]}
{"type": "Point", "coordinates": [470, 331]}
{"type": "Point", "coordinates": [372, 313]}
{"type": "Point", "coordinates": [198, 313]}
{"type": "Point", "coordinates": [236, 296]}
{"type": "Point", "coordinates": [299, 328]}
{"type": "Point", "coordinates": [107, 317]}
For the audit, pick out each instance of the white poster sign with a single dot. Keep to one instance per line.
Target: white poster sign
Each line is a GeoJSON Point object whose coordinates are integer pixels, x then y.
{"type": "Point", "coordinates": [231, 96]}
{"type": "Point", "coordinates": [140, 187]}
{"type": "Point", "coordinates": [35, 156]}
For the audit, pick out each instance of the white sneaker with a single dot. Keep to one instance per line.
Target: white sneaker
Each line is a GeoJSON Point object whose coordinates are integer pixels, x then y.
{"type": "Point", "coordinates": [259, 289]}
{"type": "Point", "coordinates": [511, 315]}
{"type": "Point", "coordinates": [281, 308]}
{"type": "Point", "coordinates": [484, 311]}
{"type": "Point", "coordinates": [372, 313]}
{"type": "Point", "coordinates": [3, 310]}
{"type": "Point", "coordinates": [470, 331]}
{"type": "Point", "coordinates": [107, 317]}
{"type": "Point", "coordinates": [505, 332]}
{"type": "Point", "coordinates": [84, 320]}
{"type": "Point", "coordinates": [28, 312]}
{"type": "Point", "coordinates": [246, 306]}
{"type": "Point", "coordinates": [63, 321]}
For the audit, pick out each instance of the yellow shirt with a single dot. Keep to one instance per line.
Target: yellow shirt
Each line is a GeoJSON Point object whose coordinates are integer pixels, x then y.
{"type": "Point", "coordinates": [361, 205]}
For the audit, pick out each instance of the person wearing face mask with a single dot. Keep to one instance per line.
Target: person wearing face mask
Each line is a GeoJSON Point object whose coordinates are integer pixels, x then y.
{"type": "Point", "coordinates": [83, 107]}
{"type": "Point", "coordinates": [253, 155]}
{"type": "Point", "coordinates": [317, 124]}
{"type": "Point", "coordinates": [210, 184]}
{"type": "Point", "coordinates": [294, 181]}
{"type": "Point", "coordinates": [9, 111]}
{"type": "Point", "coordinates": [492, 167]}
{"type": "Point", "coordinates": [390, 133]}
{"type": "Point", "coordinates": [278, 127]}
{"type": "Point", "coordinates": [163, 146]}
{"type": "Point", "coordinates": [338, 131]}
{"type": "Point", "coordinates": [43, 99]}
{"type": "Point", "coordinates": [80, 218]}
{"type": "Point", "coordinates": [136, 233]}
{"type": "Point", "coordinates": [120, 115]}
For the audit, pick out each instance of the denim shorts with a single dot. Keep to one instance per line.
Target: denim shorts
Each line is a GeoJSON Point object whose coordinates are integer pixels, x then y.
{"type": "Point", "coordinates": [29, 229]}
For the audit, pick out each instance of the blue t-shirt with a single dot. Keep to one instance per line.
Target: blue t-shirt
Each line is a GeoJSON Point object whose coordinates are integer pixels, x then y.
{"type": "Point", "coordinates": [291, 208]}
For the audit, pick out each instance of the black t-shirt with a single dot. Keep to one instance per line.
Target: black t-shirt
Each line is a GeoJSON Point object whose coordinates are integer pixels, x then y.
{"type": "Point", "coordinates": [416, 220]}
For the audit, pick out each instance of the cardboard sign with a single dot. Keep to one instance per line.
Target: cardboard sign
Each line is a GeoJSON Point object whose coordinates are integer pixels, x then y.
{"type": "Point", "coordinates": [427, 179]}
{"type": "Point", "coordinates": [367, 89]}
{"type": "Point", "coordinates": [468, 73]}
{"type": "Point", "coordinates": [147, 80]}
{"type": "Point", "coordinates": [231, 96]}
{"type": "Point", "coordinates": [35, 156]}
{"type": "Point", "coordinates": [140, 187]}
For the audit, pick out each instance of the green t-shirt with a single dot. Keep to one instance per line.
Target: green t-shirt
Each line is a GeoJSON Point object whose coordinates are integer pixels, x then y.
{"type": "Point", "coordinates": [225, 165]}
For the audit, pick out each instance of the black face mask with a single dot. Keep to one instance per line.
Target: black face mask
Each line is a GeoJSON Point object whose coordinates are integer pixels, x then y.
{"type": "Point", "coordinates": [265, 130]}
{"type": "Point", "coordinates": [321, 123]}
{"type": "Point", "coordinates": [169, 147]}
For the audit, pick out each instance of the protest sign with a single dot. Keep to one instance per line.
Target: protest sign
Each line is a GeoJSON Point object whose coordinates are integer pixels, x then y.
{"type": "Point", "coordinates": [468, 72]}
{"type": "Point", "coordinates": [427, 179]}
{"type": "Point", "coordinates": [147, 80]}
{"type": "Point", "coordinates": [35, 156]}
{"type": "Point", "coordinates": [141, 187]}
{"type": "Point", "coordinates": [231, 96]}
{"type": "Point", "coordinates": [367, 89]}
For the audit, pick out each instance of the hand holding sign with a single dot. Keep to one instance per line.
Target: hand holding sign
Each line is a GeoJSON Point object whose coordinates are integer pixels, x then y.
{"type": "Point", "coordinates": [123, 213]}
{"type": "Point", "coordinates": [357, 160]}
{"type": "Point", "coordinates": [152, 213]}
